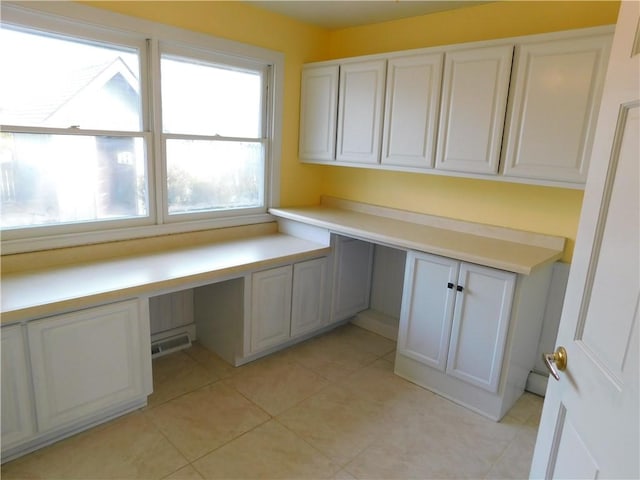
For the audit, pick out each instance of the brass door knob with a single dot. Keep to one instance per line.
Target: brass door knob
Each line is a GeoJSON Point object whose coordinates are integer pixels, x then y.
{"type": "Point", "coordinates": [559, 358]}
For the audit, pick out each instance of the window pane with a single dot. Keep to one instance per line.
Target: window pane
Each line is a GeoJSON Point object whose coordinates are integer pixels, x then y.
{"type": "Point", "coordinates": [202, 99]}
{"type": "Point", "coordinates": [208, 175]}
{"type": "Point", "coordinates": [54, 179]}
{"type": "Point", "coordinates": [62, 83]}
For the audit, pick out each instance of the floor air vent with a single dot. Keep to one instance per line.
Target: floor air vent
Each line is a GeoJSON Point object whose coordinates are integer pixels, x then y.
{"type": "Point", "coordinates": [170, 344]}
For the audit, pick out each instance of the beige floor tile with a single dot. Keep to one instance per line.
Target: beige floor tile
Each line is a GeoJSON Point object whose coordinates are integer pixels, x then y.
{"type": "Point", "coordinates": [185, 473]}
{"type": "Point", "coordinates": [362, 340]}
{"type": "Point", "coordinates": [275, 383]}
{"type": "Point", "coordinates": [427, 450]}
{"type": "Point", "coordinates": [336, 422]}
{"type": "Point", "coordinates": [343, 475]}
{"type": "Point", "coordinates": [331, 358]}
{"type": "Point", "coordinates": [527, 410]}
{"type": "Point", "coordinates": [176, 374]}
{"type": "Point", "coordinates": [378, 383]}
{"type": "Point", "coordinates": [210, 361]}
{"type": "Point", "coordinates": [268, 452]}
{"type": "Point", "coordinates": [391, 356]}
{"type": "Point", "coordinates": [515, 462]}
{"type": "Point", "coordinates": [200, 421]}
{"type": "Point", "coordinates": [435, 439]}
{"type": "Point", "coordinates": [130, 447]}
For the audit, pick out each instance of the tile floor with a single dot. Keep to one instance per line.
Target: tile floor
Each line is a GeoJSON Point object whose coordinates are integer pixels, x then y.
{"type": "Point", "coordinates": [330, 407]}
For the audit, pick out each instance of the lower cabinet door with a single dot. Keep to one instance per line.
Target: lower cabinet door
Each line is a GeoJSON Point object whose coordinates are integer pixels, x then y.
{"type": "Point", "coordinates": [480, 325]}
{"type": "Point", "coordinates": [270, 307]}
{"type": "Point", "coordinates": [18, 422]}
{"type": "Point", "coordinates": [351, 277]}
{"type": "Point", "coordinates": [309, 294]}
{"type": "Point", "coordinates": [427, 308]}
{"type": "Point", "coordinates": [88, 362]}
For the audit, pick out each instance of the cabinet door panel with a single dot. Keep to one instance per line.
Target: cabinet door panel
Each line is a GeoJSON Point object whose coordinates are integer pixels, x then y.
{"type": "Point", "coordinates": [86, 362]}
{"type": "Point", "coordinates": [18, 422]}
{"type": "Point", "coordinates": [270, 307]}
{"type": "Point", "coordinates": [427, 308]}
{"type": "Point", "coordinates": [553, 109]}
{"type": "Point", "coordinates": [318, 111]}
{"type": "Point", "coordinates": [474, 98]}
{"type": "Point", "coordinates": [309, 295]}
{"type": "Point", "coordinates": [352, 277]}
{"type": "Point", "coordinates": [411, 110]}
{"type": "Point", "coordinates": [360, 111]}
{"type": "Point", "coordinates": [480, 325]}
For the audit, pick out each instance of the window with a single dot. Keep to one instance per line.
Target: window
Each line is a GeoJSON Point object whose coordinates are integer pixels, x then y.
{"type": "Point", "coordinates": [130, 128]}
{"type": "Point", "coordinates": [212, 123]}
{"type": "Point", "coordinates": [72, 146]}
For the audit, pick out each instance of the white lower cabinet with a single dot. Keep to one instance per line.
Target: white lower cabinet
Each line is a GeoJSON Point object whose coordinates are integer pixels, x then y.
{"type": "Point", "coordinates": [270, 307]}
{"type": "Point", "coordinates": [352, 268]}
{"type": "Point", "coordinates": [287, 302]}
{"type": "Point", "coordinates": [309, 296]}
{"type": "Point", "coordinates": [462, 326]}
{"type": "Point", "coordinates": [85, 367]}
{"type": "Point", "coordinates": [18, 420]}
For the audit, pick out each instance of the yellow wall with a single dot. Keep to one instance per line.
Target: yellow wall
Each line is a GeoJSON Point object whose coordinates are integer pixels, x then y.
{"type": "Point", "coordinates": [553, 211]}
{"type": "Point", "coordinates": [546, 210]}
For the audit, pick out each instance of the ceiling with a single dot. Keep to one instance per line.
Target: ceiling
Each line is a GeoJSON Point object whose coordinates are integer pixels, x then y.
{"type": "Point", "coordinates": [335, 14]}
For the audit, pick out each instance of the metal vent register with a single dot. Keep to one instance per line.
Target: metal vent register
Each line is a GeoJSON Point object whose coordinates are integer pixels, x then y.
{"type": "Point", "coordinates": [170, 344]}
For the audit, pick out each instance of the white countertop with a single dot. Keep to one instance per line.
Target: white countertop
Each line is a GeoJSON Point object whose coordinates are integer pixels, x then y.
{"type": "Point", "coordinates": [506, 249]}
{"type": "Point", "coordinates": [39, 293]}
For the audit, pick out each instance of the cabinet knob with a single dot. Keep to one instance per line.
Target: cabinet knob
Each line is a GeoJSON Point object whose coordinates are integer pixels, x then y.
{"type": "Point", "coordinates": [459, 288]}
{"type": "Point", "coordinates": [449, 285]}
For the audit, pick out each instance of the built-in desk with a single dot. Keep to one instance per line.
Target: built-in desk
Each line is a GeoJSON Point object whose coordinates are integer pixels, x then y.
{"type": "Point", "coordinates": [507, 249]}
{"type": "Point", "coordinates": [38, 293]}
{"type": "Point", "coordinates": [472, 300]}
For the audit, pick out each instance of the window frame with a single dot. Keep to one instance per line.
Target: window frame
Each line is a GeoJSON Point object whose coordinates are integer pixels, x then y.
{"type": "Point", "coordinates": [65, 18]}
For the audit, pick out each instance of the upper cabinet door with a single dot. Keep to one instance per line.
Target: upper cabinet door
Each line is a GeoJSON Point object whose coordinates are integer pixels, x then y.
{"type": "Point", "coordinates": [411, 110]}
{"type": "Point", "coordinates": [555, 99]}
{"type": "Point", "coordinates": [318, 111]}
{"type": "Point", "coordinates": [360, 111]}
{"type": "Point", "coordinates": [474, 97]}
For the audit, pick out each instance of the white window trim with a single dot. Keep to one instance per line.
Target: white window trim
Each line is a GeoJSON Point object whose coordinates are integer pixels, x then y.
{"type": "Point", "coordinates": [84, 18]}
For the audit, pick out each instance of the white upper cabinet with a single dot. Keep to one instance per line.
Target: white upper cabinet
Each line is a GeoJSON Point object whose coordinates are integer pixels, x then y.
{"type": "Point", "coordinates": [411, 110]}
{"type": "Point", "coordinates": [475, 110]}
{"type": "Point", "coordinates": [475, 88]}
{"type": "Point", "coordinates": [318, 110]}
{"type": "Point", "coordinates": [555, 99]}
{"type": "Point", "coordinates": [360, 111]}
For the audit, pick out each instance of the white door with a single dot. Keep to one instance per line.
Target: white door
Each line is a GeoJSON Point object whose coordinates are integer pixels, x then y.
{"type": "Point", "coordinates": [270, 307]}
{"type": "Point", "coordinates": [590, 420]}
{"type": "Point", "coordinates": [360, 107]}
{"type": "Point", "coordinates": [411, 110]}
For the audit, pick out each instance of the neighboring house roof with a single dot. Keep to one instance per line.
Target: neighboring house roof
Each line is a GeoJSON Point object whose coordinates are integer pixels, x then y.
{"type": "Point", "coordinates": [41, 107]}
